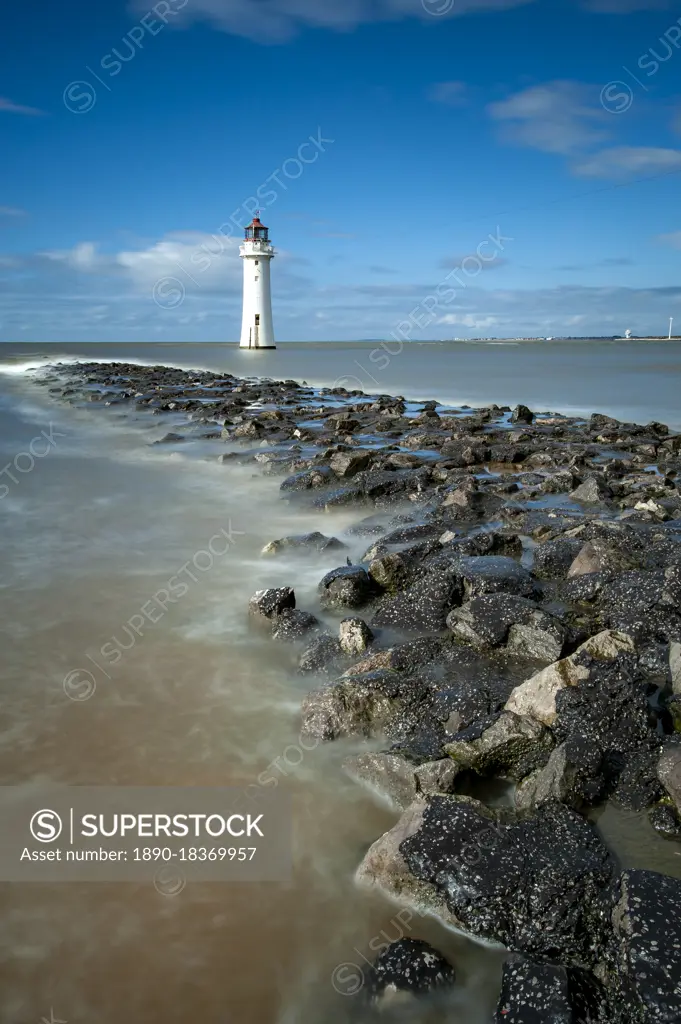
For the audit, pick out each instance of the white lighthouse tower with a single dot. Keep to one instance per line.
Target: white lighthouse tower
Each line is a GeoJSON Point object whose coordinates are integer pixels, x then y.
{"type": "Point", "coordinates": [257, 252]}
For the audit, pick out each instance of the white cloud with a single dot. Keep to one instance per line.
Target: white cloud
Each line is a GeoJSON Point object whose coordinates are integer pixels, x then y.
{"type": "Point", "coordinates": [18, 108]}
{"type": "Point", "coordinates": [277, 20]}
{"type": "Point", "coordinates": [451, 94]}
{"type": "Point", "coordinates": [673, 239]}
{"type": "Point", "coordinates": [555, 117]}
{"type": "Point", "coordinates": [629, 161]}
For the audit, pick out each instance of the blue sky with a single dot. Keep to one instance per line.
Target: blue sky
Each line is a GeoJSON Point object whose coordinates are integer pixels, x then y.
{"type": "Point", "coordinates": [386, 141]}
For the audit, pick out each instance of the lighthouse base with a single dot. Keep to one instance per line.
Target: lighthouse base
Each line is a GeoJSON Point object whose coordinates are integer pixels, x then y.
{"type": "Point", "coordinates": [258, 348]}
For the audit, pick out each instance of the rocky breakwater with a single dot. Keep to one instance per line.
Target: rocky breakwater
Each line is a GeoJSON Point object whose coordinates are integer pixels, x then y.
{"type": "Point", "coordinates": [504, 612]}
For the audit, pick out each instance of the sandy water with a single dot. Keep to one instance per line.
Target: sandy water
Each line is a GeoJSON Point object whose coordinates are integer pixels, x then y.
{"type": "Point", "coordinates": [89, 534]}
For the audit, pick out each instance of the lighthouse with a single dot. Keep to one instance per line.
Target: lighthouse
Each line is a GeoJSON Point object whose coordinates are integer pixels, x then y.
{"type": "Point", "coordinates": [257, 252]}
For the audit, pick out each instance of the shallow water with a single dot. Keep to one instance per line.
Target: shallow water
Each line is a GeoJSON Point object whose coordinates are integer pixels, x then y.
{"type": "Point", "coordinates": [89, 534]}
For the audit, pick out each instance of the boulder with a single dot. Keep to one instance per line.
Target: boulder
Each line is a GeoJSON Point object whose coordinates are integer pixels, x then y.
{"type": "Point", "coordinates": [349, 464]}
{"type": "Point", "coordinates": [324, 654]}
{"type": "Point", "coordinates": [423, 606]}
{"type": "Point", "coordinates": [566, 777]}
{"type": "Point", "coordinates": [400, 781]}
{"type": "Point", "coordinates": [645, 951]}
{"type": "Point", "coordinates": [534, 993]}
{"type": "Point", "coordinates": [553, 559]}
{"type": "Point", "coordinates": [355, 636]}
{"type": "Point", "coordinates": [675, 667]}
{"type": "Point", "coordinates": [537, 885]}
{"type": "Point", "coordinates": [350, 586]}
{"type": "Point", "coordinates": [303, 543]}
{"type": "Point", "coordinates": [521, 414]}
{"type": "Point", "coordinates": [592, 491]}
{"type": "Point", "coordinates": [266, 605]}
{"type": "Point", "coordinates": [536, 698]}
{"type": "Point", "coordinates": [511, 747]}
{"type": "Point", "coordinates": [669, 773]}
{"type": "Point", "coordinates": [646, 605]}
{"type": "Point", "coordinates": [495, 619]}
{"type": "Point", "coordinates": [407, 969]}
{"type": "Point", "coordinates": [293, 625]}
{"type": "Point", "coordinates": [370, 704]}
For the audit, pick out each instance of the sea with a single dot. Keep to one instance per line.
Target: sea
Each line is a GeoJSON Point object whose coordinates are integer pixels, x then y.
{"type": "Point", "coordinates": [94, 527]}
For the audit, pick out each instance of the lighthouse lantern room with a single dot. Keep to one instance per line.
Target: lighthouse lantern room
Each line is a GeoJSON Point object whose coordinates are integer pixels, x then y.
{"type": "Point", "coordinates": [257, 252]}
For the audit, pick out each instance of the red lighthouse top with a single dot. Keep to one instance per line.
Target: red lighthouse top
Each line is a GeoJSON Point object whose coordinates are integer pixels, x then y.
{"type": "Point", "coordinates": [256, 231]}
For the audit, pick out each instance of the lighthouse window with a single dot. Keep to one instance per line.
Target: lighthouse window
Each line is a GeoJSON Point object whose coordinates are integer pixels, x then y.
{"type": "Point", "coordinates": [257, 263]}
{"type": "Point", "coordinates": [257, 319]}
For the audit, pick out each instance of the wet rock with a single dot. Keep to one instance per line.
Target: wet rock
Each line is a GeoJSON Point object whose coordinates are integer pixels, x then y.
{"type": "Point", "coordinates": [355, 636]}
{"type": "Point", "coordinates": [536, 698]}
{"type": "Point", "coordinates": [346, 587]}
{"type": "Point", "coordinates": [593, 491]}
{"type": "Point", "coordinates": [598, 556]}
{"type": "Point", "coordinates": [324, 654]}
{"type": "Point", "coordinates": [646, 948]}
{"type": "Point", "coordinates": [348, 464]}
{"type": "Point", "coordinates": [408, 969]}
{"type": "Point", "coordinates": [390, 572]}
{"type": "Point", "coordinates": [646, 605]}
{"type": "Point", "coordinates": [666, 821]}
{"type": "Point", "coordinates": [511, 748]}
{"type": "Point", "coordinates": [423, 606]}
{"type": "Point", "coordinates": [320, 476]}
{"type": "Point", "coordinates": [534, 994]}
{"type": "Point", "coordinates": [553, 559]}
{"type": "Point", "coordinates": [537, 885]}
{"type": "Point", "coordinates": [495, 619]}
{"type": "Point", "coordinates": [495, 574]}
{"type": "Point", "coordinates": [669, 773]}
{"type": "Point", "coordinates": [675, 667]}
{"type": "Point", "coordinates": [566, 777]}
{"type": "Point", "coordinates": [521, 414]}
{"type": "Point", "coordinates": [388, 775]}
{"type": "Point", "coordinates": [305, 542]}
{"type": "Point", "coordinates": [369, 704]}
{"type": "Point", "coordinates": [266, 605]}
{"type": "Point", "coordinates": [293, 625]}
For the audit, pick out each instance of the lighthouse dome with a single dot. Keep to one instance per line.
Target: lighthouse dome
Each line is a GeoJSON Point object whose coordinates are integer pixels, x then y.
{"type": "Point", "coordinates": [256, 231]}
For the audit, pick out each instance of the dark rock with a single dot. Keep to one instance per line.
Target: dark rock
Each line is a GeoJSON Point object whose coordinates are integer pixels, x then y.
{"type": "Point", "coordinates": [521, 414]}
{"type": "Point", "coordinates": [495, 619]}
{"type": "Point", "coordinates": [534, 994]}
{"type": "Point", "coordinates": [266, 605]}
{"type": "Point", "coordinates": [346, 587]}
{"type": "Point", "coordinates": [538, 885]}
{"type": "Point", "coordinates": [510, 747]}
{"type": "Point", "coordinates": [666, 821]}
{"type": "Point", "coordinates": [348, 464]}
{"type": "Point", "coordinates": [324, 654]}
{"type": "Point", "coordinates": [553, 559]}
{"type": "Point", "coordinates": [305, 542]}
{"type": "Point", "coordinates": [424, 606]}
{"type": "Point", "coordinates": [646, 948]}
{"type": "Point", "coordinates": [293, 625]}
{"type": "Point", "coordinates": [592, 491]}
{"type": "Point", "coordinates": [408, 966]}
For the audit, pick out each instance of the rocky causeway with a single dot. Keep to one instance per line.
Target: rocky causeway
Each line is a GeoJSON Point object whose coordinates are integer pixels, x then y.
{"type": "Point", "coordinates": [512, 626]}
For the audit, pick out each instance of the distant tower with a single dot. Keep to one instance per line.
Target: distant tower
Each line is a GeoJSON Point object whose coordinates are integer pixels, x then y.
{"type": "Point", "coordinates": [257, 252]}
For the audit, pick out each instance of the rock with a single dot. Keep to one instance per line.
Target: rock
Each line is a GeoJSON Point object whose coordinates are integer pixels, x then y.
{"type": "Point", "coordinates": [666, 821]}
{"type": "Point", "coordinates": [320, 476]}
{"type": "Point", "coordinates": [368, 704]}
{"type": "Point", "coordinates": [266, 605]}
{"type": "Point", "coordinates": [534, 994]}
{"type": "Point", "coordinates": [388, 775]}
{"type": "Point", "coordinates": [494, 619]}
{"type": "Point", "coordinates": [669, 773]}
{"type": "Point", "coordinates": [553, 559]}
{"type": "Point", "coordinates": [324, 654]}
{"type": "Point", "coordinates": [646, 948]}
{"type": "Point", "coordinates": [424, 606]}
{"type": "Point", "coordinates": [511, 747]}
{"type": "Point", "coordinates": [597, 556]}
{"type": "Point", "coordinates": [346, 587]}
{"type": "Point", "coordinates": [495, 574]}
{"type": "Point", "coordinates": [521, 414]}
{"type": "Point", "coordinates": [306, 542]}
{"type": "Point", "coordinates": [593, 491]}
{"type": "Point", "coordinates": [390, 572]}
{"type": "Point", "coordinates": [536, 698]}
{"type": "Point", "coordinates": [566, 777]}
{"type": "Point", "coordinates": [355, 636]}
{"type": "Point", "coordinates": [293, 625]}
{"type": "Point", "coordinates": [646, 605]}
{"type": "Point", "coordinates": [348, 464]}
{"type": "Point", "coordinates": [675, 667]}
{"type": "Point", "coordinates": [406, 969]}
{"type": "Point", "coordinates": [537, 885]}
